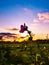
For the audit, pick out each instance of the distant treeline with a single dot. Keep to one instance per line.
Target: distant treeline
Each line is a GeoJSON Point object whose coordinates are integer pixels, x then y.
{"type": "Point", "coordinates": [37, 41]}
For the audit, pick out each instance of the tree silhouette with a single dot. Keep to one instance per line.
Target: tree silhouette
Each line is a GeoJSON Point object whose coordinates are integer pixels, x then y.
{"type": "Point", "coordinates": [1, 38]}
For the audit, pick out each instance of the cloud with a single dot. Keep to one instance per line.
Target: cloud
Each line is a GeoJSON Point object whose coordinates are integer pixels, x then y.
{"type": "Point", "coordinates": [27, 10]}
{"type": "Point", "coordinates": [42, 17]}
{"type": "Point", "coordinates": [12, 29]}
{"type": "Point", "coordinates": [35, 20]}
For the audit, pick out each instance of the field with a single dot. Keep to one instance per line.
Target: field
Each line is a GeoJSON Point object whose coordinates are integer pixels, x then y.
{"type": "Point", "coordinates": [24, 53]}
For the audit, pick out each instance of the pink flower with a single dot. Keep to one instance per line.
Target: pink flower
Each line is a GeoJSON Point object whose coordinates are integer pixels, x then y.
{"type": "Point", "coordinates": [23, 28]}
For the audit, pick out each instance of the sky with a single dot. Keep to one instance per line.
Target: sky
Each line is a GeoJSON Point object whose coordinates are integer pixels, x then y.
{"type": "Point", "coordinates": [34, 13]}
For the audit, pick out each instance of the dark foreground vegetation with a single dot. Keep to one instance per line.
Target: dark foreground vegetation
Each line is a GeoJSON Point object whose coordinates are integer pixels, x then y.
{"type": "Point", "coordinates": [24, 53]}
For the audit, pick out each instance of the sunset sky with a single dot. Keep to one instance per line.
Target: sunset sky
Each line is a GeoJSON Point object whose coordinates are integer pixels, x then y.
{"type": "Point", "coordinates": [35, 13]}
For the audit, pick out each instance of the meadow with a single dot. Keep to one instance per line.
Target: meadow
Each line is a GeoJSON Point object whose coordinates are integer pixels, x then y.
{"type": "Point", "coordinates": [24, 53]}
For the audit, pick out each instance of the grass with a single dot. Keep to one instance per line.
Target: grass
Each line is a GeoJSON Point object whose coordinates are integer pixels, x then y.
{"type": "Point", "coordinates": [24, 53]}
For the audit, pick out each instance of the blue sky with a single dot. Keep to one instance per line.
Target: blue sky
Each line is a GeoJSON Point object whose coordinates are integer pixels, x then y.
{"type": "Point", "coordinates": [34, 13]}
{"type": "Point", "coordinates": [5, 4]}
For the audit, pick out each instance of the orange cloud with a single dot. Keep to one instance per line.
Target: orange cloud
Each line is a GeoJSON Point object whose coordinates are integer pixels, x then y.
{"type": "Point", "coordinates": [43, 16]}
{"type": "Point", "coordinates": [12, 29]}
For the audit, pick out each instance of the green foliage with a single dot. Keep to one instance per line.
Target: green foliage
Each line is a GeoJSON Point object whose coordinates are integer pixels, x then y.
{"type": "Point", "coordinates": [24, 53]}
